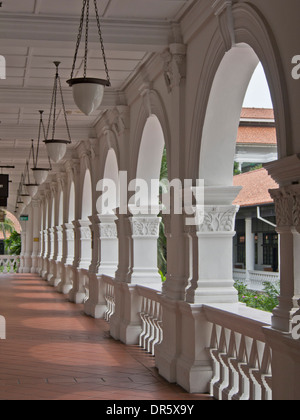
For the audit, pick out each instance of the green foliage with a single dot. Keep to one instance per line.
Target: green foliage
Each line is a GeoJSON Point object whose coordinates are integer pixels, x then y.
{"type": "Point", "coordinates": [162, 240]}
{"type": "Point", "coordinates": [7, 227]}
{"type": "Point", "coordinates": [236, 170]}
{"type": "Point", "coordinates": [265, 301]}
{"type": "Point", "coordinates": [13, 243]}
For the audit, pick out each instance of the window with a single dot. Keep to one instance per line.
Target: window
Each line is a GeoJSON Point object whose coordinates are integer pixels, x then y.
{"type": "Point", "coordinates": [270, 247]}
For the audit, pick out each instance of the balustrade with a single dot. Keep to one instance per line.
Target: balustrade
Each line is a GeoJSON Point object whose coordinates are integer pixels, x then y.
{"type": "Point", "coordinates": [9, 264]}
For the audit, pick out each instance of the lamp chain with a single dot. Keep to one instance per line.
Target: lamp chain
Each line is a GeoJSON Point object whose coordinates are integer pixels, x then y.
{"type": "Point", "coordinates": [86, 4]}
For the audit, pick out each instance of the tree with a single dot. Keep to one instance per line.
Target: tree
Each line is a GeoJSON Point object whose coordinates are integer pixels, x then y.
{"type": "Point", "coordinates": [7, 227]}
{"type": "Point", "coordinates": [13, 243]}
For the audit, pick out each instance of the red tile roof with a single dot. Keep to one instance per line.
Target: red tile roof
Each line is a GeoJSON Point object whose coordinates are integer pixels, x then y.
{"type": "Point", "coordinates": [257, 135]}
{"type": "Point", "coordinates": [256, 185]}
{"type": "Point", "coordinates": [257, 113]}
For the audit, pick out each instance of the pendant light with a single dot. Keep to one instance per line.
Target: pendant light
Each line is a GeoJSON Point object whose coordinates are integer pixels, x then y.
{"type": "Point", "coordinates": [40, 174]}
{"type": "Point", "coordinates": [23, 194]}
{"type": "Point", "coordinates": [31, 187]}
{"type": "Point", "coordinates": [56, 147]}
{"type": "Point", "coordinates": [88, 91]}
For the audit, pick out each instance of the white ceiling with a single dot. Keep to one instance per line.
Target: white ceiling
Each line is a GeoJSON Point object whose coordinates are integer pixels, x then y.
{"type": "Point", "coordinates": [34, 33]}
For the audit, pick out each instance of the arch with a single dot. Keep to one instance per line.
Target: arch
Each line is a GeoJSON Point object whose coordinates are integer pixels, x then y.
{"type": "Point", "coordinates": [87, 202]}
{"type": "Point", "coordinates": [149, 160]}
{"type": "Point", "coordinates": [109, 201]}
{"type": "Point", "coordinates": [252, 31]}
{"type": "Point", "coordinates": [223, 115]}
{"type": "Point", "coordinates": [71, 212]}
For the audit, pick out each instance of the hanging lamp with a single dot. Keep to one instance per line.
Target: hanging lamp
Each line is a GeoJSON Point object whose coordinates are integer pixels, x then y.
{"type": "Point", "coordinates": [31, 187]}
{"type": "Point", "coordinates": [40, 174]}
{"type": "Point", "coordinates": [56, 147]}
{"type": "Point", "coordinates": [88, 91]}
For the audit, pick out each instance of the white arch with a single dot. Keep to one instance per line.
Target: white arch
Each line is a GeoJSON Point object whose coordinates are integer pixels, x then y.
{"type": "Point", "coordinates": [223, 115]}
{"type": "Point", "coordinates": [149, 160]}
{"type": "Point", "coordinates": [86, 209]}
{"type": "Point", "coordinates": [110, 185]}
{"type": "Point", "coordinates": [71, 215]}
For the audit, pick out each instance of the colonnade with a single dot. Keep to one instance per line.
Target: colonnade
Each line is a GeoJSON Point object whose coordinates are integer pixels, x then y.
{"type": "Point", "coordinates": [189, 100]}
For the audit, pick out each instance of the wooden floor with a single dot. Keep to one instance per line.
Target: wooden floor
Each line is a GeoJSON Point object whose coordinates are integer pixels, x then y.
{"type": "Point", "coordinates": [53, 351]}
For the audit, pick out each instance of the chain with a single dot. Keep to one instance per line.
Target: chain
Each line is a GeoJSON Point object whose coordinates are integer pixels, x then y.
{"type": "Point", "coordinates": [102, 43]}
{"type": "Point", "coordinates": [64, 109]}
{"type": "Point", "coordinates": [78, 37]}
{"type": "Point", "coordinates": [86, 37]}
{"type": "Point", "coordinates": [86, 4]}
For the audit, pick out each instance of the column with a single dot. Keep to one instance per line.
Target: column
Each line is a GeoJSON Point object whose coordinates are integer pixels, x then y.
{"type": "Point", "coordinates": [215, 277]}
{"type": "Point", "coordinates": [36, 235]}
{"type": "Point", "coordinates": [29, 241]}
{"type": "Point", "coordinates": [145, 233]}
{"type": "Point", "coordinates": [287, 215]}
{"type": "Point", "coordinates": [80, 276]}
{"type": "Point", "coordinates": [106, 244]}
{"type": "Point", "coordinates": [69, 259]}
{"type": "Point", "coordinates": [123, 272]}
{"type": "Point", "coordinates": [250, 248]}
{"type": "Point", "coordinates": [211, 283]}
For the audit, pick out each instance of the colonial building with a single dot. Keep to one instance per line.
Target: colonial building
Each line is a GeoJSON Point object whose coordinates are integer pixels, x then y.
{"type": "Point", "coordinates": [178, 73]}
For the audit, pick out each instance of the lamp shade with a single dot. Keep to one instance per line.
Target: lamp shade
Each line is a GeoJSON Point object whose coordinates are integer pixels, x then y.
{"type": "Point", "coordinates": [26, 199]}
{"type": "Point", "coordinates": [32, 189]}
{"type": "Point", "coordinates": [40, 175]}
{"type": "Point", "coordinates": [87, 93]}
{"type": "Point", "coordinates": [56, 149]}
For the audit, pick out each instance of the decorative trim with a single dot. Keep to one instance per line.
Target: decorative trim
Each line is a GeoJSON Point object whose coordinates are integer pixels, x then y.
{"type": "Point", "coordinates": [218, 219]}
{"type": "Point", "coordinates": [145, 226]}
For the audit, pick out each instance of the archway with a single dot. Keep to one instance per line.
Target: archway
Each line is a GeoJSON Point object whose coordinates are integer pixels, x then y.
{"type": "Point", "coordinates": [106, 207]}
{"type": "Point", "coordinates": [144, 204]}
{"type": "Point", "coordinates": [215, 281]}
{"type": "Point", "coordinates": [85, 232]}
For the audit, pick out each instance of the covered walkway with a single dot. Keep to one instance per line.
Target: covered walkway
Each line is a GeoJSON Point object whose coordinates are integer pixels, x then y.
{"type": "Point", "coordinates": [53, 351]}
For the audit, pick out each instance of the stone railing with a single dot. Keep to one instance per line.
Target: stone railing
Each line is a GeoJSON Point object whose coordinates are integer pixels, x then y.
{"type": "Point", "coordinates": [256, 279]}
{"type": "Point", "coordinates": [9, 264]}
{"type": "Point", "coordinates": [241, 359]}
{"type": "Point", "coordinates": [151, 316]}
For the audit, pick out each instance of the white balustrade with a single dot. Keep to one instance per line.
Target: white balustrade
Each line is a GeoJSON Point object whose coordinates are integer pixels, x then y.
{"type": "Point", "coordinates": [151, 316]}
{"type": "Point", "coordinates": [109, 295]}
{"type": "Point", "coordinates": [241, 358]}
{"type": "Point", "coordinates": [256, 278]}
{"type": "Point", "coordinates": [9, 264]}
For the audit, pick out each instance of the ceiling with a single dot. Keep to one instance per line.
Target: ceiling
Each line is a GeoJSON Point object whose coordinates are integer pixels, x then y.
{"type": "Point", "coordinates": [35, 33]}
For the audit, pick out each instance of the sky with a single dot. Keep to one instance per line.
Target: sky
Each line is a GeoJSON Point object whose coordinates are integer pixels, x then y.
{"type": "Point", "coordinates": [258, 94]}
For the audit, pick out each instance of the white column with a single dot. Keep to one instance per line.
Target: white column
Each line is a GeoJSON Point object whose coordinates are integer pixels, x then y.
{"type": "Point", "coordinates": [145, 233]}
{"type": "Point", "coordinates": [215, 282]}
{"type": "Point", "coordinates": [109, 252]}
{"type": "Point", "coordinates": [250, 247]}
{"type": "Point", "coordinates": [29, 241]}
{"type": "Point", "coordinates": [36, 234]}
{"type": "Point", "coordinates": [68, 259]}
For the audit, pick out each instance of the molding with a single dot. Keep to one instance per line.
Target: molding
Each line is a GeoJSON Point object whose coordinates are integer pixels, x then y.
{"type": "Point", "coordinates": [285, 171]}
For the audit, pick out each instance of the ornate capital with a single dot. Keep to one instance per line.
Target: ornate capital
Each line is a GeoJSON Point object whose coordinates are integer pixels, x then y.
{"type": "Point", "coordinates": [218, 219]}
{"type": "Point", "coordinates": [108, 231]}
{"type": "Point", "coordinates": [284, 206]}
{"type": "Point", "coordinates": [145, 226]}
